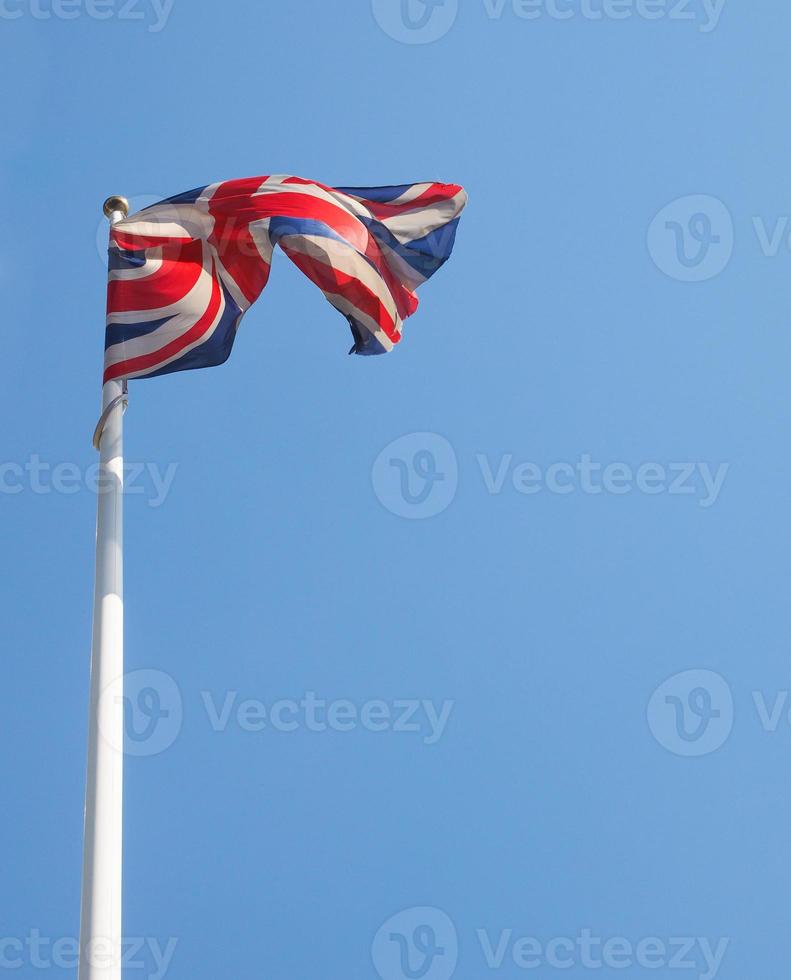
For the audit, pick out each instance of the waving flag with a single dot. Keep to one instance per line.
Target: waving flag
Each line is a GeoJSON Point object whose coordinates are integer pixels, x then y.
{"type": "Point", "coordinates": [184, 272]}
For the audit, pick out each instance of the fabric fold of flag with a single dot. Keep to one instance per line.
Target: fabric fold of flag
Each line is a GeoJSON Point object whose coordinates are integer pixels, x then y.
{"type": "Point", "coordinates": [182, 273]}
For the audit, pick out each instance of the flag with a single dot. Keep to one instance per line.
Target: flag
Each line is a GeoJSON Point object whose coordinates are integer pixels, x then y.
{"type": "Point", "coordinates": [182, 273]}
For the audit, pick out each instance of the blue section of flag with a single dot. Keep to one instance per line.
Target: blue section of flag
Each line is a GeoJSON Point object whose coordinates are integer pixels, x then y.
{"type": "Point", "coordinates": [120, 333]}
{"type": "Point", "coordinates": [188, 197]}
{"type": "Point", "coordinates": [217, 348]}
{"type": "Point", "coordinates": [379, 195]}
{"type": "Point", "coordinates": [424, 255]}
{"type": "Point", "coordinates": [120, 259]}
{"type": "Point", "coordinates": [204, 257]}
{"type": "Point", "coordinates": [280, 227]}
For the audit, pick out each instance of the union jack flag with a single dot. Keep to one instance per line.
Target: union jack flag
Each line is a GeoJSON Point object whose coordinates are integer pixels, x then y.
{"type": "Point", "coordinates": [183, 272]}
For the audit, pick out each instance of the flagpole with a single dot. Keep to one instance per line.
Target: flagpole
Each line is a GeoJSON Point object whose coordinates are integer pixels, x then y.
{"type": "Point", "coordinates": [100, 925]}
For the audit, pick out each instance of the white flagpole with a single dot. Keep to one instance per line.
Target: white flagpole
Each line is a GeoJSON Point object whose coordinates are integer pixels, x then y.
{"type": "Point", "coordinates": [100, 926]}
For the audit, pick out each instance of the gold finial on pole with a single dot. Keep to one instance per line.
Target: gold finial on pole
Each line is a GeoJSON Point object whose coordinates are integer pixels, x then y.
{"type": "Point", "coordinates": [115, 203]}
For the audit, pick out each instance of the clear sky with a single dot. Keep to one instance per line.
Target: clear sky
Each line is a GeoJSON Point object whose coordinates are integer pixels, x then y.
{"type": "Point", "coordinates": [456, 644]}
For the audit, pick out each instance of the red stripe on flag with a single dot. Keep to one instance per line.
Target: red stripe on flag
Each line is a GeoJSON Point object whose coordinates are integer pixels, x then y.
{"type": "Point", "coordinates": [436, 194]}
{"type": "Point", "coordinates": [153, 360]}
{"type": "Point", "coordinates": [178, 275]}
{"type": "Point", "coordinates": [135, 243]}
{"type": "Point", "coordinates": [232, 212]}
{"type": "Point", "coordinates": [352, 230]}
{"type": "Point", "coordinates": [353, 290]}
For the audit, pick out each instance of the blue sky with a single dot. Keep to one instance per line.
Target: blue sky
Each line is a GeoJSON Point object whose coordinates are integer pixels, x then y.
{"type": "Point", "coordinates": [590, 416]}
